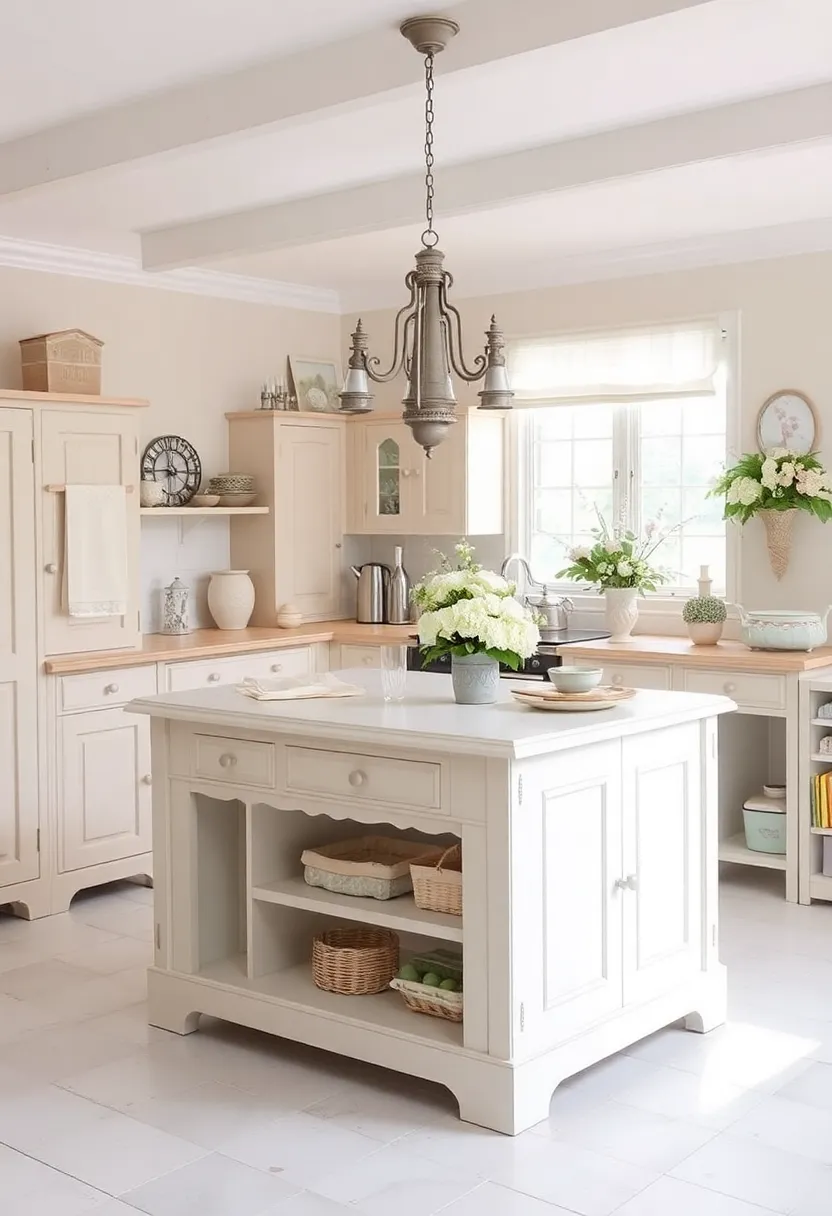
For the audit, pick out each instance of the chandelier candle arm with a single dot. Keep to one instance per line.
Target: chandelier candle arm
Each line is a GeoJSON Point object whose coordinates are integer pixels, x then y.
{"type": "Point", "coordinates": [427, 334]}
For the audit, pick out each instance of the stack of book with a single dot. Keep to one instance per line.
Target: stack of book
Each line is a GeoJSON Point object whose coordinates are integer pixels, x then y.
{"type": "Point", "coordinates": [822, 800]}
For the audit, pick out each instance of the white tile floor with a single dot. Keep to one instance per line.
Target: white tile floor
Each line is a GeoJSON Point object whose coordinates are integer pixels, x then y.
{"type": "Point", "coordinates": [101, 1114]}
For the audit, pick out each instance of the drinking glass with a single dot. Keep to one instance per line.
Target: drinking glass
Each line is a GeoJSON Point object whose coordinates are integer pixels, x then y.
{"type": "Point", "coordinates": [393, 672]}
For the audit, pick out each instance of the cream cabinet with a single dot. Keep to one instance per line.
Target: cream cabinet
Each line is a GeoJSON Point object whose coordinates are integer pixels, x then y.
{"type": "Point", "coordinates": [86, 446]}
{"type": "Point", "coordinates": [19, 785]}
{"type": "Point", "coordinates": [393, 487]}
{"type": "Point", "coordinates": [294, 552]}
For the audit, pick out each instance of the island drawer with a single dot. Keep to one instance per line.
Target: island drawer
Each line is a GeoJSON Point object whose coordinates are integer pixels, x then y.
{"type": "Point", "coordinates": [271, 664]}
{"type": "Point", "coordinates": [359, 656]}
{"type": "Point", "coordinates": [354, 777]}
{"type": "Point", "coordinates": [105, 689]}
{"type": "Point", "coordinates": [235, 761]}
{"type": "Point", "coordinates": [749, 690]}
{"type": "Point", "coordinates": [635, 675]}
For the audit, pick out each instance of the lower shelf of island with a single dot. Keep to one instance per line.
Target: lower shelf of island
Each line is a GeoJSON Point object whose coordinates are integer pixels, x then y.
{"type": "Point", "coordinates": [294, 987]}
{"type": "Point", "coordinates": [735, 850]}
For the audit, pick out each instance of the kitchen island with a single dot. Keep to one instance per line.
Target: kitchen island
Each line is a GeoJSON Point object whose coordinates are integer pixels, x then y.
{"type": "Point", "coordinates": [589, 848]}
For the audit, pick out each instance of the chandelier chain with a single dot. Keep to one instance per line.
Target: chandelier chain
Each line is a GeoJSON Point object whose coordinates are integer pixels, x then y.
{"type": "Point", "coordinates": [429, 237]}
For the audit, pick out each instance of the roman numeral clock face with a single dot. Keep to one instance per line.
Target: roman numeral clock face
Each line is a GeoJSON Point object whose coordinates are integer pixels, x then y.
{"type": "Point", "coordinates": [173, 463]}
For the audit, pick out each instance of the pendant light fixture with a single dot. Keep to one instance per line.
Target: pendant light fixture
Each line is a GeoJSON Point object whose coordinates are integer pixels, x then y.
{"type": "Point", "coordinates": [427, 334]}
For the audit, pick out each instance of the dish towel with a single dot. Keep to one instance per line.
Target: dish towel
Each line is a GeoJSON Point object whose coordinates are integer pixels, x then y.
{"type": "Point", "coordinates": [96, 578]}
{"type": "Point", "coordinates": [298, 688]}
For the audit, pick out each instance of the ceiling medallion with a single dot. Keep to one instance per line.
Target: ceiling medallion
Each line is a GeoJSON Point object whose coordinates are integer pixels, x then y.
{"type": "Point", "coordinates": [427, 333]}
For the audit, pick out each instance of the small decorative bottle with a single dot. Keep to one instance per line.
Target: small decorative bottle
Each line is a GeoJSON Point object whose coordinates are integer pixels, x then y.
{"type": "Point", "coordinates": [175, 608]}
{"type": "Point", "coordinates": [704, 614]}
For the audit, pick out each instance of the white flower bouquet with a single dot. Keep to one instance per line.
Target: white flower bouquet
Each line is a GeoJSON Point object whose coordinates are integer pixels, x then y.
{"type": "Point", "coordinates": [618, 558]}
{"type": "Point", "coordinates": [467, 610]}
{"type": "Point", "coordinates": [778, 480]}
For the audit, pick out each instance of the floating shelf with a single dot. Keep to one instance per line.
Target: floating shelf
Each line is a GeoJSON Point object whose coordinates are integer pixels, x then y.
{"type": "Point", "coordinates": [400, 914]}
{"type": "Point", "coordinates": [735, 850]}
{"type": "Point", "coordinates": [190, 511]}
{"type": "Point", "coordinates": [827, 722]}
{"type": "Point", "coordinates": [822, 758]}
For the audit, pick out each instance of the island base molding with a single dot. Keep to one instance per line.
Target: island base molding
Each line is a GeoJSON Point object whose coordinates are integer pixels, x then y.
{"type": "Point", "coordinates": [497, 1094]}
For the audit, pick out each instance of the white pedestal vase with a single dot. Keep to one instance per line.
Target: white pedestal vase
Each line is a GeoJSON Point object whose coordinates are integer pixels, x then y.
{"type": "Point", "coordinates": [620, 611]}
{"type": "Point", "coordinates": [231, 598]}
{"type": "Point", "coordinates": [476, 679]}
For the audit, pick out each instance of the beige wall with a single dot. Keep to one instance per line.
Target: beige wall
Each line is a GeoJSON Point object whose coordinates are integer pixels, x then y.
{"type": "Point", "coordinates": [193, 357]}
{"type": "Point", "coordinates": [785, 341]}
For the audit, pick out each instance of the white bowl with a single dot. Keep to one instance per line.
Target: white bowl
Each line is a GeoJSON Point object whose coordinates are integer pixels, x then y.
{"type": "Point", "coordinates": [204, 500]}
{"type": "Point", "coordinates": [575, 679]}
{"type": "Point", "coordinates": [237, 500]}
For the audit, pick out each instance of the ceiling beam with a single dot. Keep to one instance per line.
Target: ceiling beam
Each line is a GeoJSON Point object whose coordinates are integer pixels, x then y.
{"type": "Point", "coordinates": [347, 74]}
{"type": "Point", "coordinates": [730, 130]}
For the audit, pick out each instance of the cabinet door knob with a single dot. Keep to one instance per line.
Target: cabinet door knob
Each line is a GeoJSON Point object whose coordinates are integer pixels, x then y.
{"type": "Point", "coordinates": [227, 760]}
{"type": "Point", "coordinates": [147, 779]}
{"type": "Point", "coordinates": [405, 472]}
{"type": "Point", "coordinates": [367, 661]}
{"type": "Point", "coordinates": [416, 472]}
{"type": "Point", "coordinates": [214, 677]}
{"type": "Point", "coordinates": [338, 544]}
{"type": "Point", "coordinates": [630, 883]}
{"type": "Point", "coordinates": [111, 688]}
{"type": "Point", "coordinates": [277, 667]}
{"type": "Point", "coordinates": [357, 778]}
{"type": "Point", "coordinates": [729, 686]}
{"type": "Point", "coordinates": [51, 568]}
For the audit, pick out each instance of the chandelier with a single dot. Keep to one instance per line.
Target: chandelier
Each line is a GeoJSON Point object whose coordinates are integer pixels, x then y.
{"type": "Point", "coordinates": [427, 334]}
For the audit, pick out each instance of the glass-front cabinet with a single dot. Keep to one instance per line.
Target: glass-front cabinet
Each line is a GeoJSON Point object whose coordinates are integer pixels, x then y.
{"type": "Point", "coordinates": [381, 446]}
{"type": "Point", "coordinates": [388, 477]}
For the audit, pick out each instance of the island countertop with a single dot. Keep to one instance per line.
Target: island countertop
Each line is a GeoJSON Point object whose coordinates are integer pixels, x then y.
{"type": "Point", "coordinates": [429, 717]}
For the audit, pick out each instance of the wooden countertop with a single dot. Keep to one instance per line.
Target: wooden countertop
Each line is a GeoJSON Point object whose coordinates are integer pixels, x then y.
{"type": "Point", "coordinates": [219, 643]}
{"type": "Point", "coordinates": [646, 648]}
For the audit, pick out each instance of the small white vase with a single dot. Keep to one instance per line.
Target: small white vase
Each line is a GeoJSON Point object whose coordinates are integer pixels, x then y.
{"type": "Point", "coordinates": [231, 598]}
{"type": "Point", "coordinates": [620, 611]}
{"type": "Point", "coordinates": [705, 633]}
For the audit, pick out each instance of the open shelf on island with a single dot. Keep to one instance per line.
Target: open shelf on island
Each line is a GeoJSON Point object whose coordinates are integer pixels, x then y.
{"type": "Point", "coordinates": [735, 850]}
{"type": "Point", "coordinates": [167, 511]}
{"type": "Point", "coordinates": [295, 987]}
{"type": "Point", "coordinates": [400, 914]}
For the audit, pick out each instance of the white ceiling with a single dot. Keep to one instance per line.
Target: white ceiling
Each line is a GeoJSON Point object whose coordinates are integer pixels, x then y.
{"type": "Point", "coordinates": [673, 67]}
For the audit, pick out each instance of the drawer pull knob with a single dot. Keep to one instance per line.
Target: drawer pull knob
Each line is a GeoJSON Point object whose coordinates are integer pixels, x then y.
{"type": "Point", "coordinates": [147, 779]}
{"type": "Point", "coordinates": [367, 660]}
{"type": "Point", "coordinates": [729, 686]}
{"type": "Point", "coordinates": [277, 667]}
{"type": "Point", "coordinates": [51, 568]}
{"type": "Point", "coordinates": [357, 778]}
{"type": "Point", "coordinates": [214, 677]}
{"type": "Point", "coordinates": [227, 760]}
{"type": "Point", "coordinates": [630, 883]}
{"type": "Point", "coordinates": [111, 688]}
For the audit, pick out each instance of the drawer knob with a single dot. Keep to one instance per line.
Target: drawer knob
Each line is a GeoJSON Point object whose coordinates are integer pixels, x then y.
{"type": "Point", "coordinates": [277, 667]}
{"type": "Point", "coordinates": [147, 779]}
{"type": "Point", "coordinates": [111, 688]}
{"type": "Point", "coordinates": [51, 568]}
{"type": "Point", "coordinates": [214, 677]}
{"type": "Point", "coordinates": [367, 660]}
{"type": "Point", "coordinates": [227, 760]}
{"type": "Point", "coordinates": [357, 778]}
{"type": "Point", "coordinates": [729, 686]}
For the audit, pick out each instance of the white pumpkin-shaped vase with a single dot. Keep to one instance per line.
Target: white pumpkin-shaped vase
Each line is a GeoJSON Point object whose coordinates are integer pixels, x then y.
{"type": "Point", "coordinates": [231, 598]}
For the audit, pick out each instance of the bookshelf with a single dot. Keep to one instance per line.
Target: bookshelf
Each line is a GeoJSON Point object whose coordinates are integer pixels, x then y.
{"type": "Point", "coordinates": [813, 763]}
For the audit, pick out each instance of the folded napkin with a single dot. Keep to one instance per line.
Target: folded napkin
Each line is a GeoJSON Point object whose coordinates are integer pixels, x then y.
{"type": "Point", "coordinates": [297, 688]}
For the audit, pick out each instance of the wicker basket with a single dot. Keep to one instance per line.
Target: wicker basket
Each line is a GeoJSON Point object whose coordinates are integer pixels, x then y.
{"type": "Point", "coordinates": [435, 1002]}
{"type": "Point", "coordinates": [355, 962]}
{"type": "Point", "coordinates": [438, 888]}
{"type": "Point", "coordinates": [376, 867]}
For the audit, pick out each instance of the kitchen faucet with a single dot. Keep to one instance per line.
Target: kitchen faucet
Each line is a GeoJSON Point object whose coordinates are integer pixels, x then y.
{"type": "Point", "coordinates": [554, 613]}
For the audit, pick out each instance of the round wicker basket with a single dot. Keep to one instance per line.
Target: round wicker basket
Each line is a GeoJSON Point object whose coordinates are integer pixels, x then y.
{"type": "Point", "coordinates": [355, 962]}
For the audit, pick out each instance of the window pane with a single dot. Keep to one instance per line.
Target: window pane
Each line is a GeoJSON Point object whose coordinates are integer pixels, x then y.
{"type": "Point", "coordinates": [660, 417]}
{"type": "Point", "coordinates": [704, 416]}
{"type": "Point", "coordinates": [554, 511]}
{"type": "Point", "coordinates": [554, 464]}
{"type": "Point", "coordinates": [704, 515]}
{"type": "Point", "coordinates": [702, 459]}
{"type": "Point", "coordinates": [661, 462]}
{"type": "Point", "coordinates": [592, 421]}
{"type": "Point", "coordinates": [704, 551]}
{"type": "Point", "coordinates": [555, 423]}
{"type": "Point", "coordinates": [661, 507]}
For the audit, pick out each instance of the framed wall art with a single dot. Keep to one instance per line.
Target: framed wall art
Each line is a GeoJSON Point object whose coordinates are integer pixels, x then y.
{"type": "Point", "coordinates": [317, 384]}
{"type": "Point", "coordinates": [787, 419]}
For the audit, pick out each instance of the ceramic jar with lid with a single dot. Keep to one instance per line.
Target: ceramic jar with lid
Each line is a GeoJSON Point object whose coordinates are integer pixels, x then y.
{"type": "Point", "coordinates": [175, 607]}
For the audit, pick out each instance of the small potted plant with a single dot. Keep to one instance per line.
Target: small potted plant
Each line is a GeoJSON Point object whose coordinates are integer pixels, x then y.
{"type": "Point", "coordinates": [619, 564]}
{"type": "Point", "coordinates": [472, 615]}
{"type": "Point", "coordinates": [704, 614]}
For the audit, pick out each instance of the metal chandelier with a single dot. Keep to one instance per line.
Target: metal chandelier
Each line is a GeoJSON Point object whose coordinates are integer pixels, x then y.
{"type": "Point", "coordinates": [427, 335]}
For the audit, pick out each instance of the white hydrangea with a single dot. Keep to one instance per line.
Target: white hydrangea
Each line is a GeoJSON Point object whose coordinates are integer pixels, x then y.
{"type": "Point", "coordinates": [787, 473]}
{"type": "Point", "coordinates": [494, 622]}
{"type": "Point", "coordinates": [611, 546]}
{"type": "Point", "coordinates": [769, 473]}
{"type": "Point", "coordinates": [579, 553]}
{"type": "Point", "coordinates": [748, 491]}
{"type": "Point", "coordinates": [810, 482]}
{"type": "Point", "coordinates": [624, 569]}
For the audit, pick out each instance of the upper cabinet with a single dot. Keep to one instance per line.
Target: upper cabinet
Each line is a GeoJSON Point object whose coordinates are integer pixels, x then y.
{"type": "Point", "coordinates": [392, 486]}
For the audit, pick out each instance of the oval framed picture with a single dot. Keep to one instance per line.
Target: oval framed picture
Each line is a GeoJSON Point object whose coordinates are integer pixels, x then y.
{"type": "Point", "coordinates": [787, 419]}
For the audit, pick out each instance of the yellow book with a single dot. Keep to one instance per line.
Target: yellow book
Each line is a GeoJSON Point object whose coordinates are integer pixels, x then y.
{"type": "Point", "coordinates": [826, 782]}
{"type": "Point", "coordinates": [824, 801]}
{"type": "Point", "coordinates": [815, 798]}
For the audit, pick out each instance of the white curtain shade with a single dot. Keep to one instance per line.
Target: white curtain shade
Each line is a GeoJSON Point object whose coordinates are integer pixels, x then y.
{"type": "Point", "coordinates": [618, 366]}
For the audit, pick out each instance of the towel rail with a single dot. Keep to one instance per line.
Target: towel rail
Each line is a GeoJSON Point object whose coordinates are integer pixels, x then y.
{"type": "Point", "coordinates": [55, 489]}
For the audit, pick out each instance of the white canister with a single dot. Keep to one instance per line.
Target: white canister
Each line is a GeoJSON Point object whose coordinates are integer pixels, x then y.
{"type": "Point", "coordinates": [175, 608]}
{"type": "Point", "coordinates": [289, 617]}
{"type": "Point", "coordinates": [231, 598]}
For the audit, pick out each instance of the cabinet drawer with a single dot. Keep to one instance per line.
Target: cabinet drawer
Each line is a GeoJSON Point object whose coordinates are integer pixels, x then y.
{"type": "Point", "coordinates": [369, 779]}
{"type": "Point", "coordinates": [749, 690]}
{"type": "Point", "coordinates": [236, 761]}
{"type": "Point", "coordinates": [637, 675]}
{"type": "Point", "coordinates": [104, 689]}
{"type": "Point", "coordinates": [360, 656]}
{"type": "Point", "coordinates": [292, 661]}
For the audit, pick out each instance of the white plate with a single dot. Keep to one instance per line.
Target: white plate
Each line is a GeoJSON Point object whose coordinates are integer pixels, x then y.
{"type": "Point", "coordinates": [564, 706]}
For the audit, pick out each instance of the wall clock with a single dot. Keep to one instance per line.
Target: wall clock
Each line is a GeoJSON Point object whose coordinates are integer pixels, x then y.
{"type": "Point", "coordinates": [172, 462]}
{"type": "Point", "coordinates": [787, 420]}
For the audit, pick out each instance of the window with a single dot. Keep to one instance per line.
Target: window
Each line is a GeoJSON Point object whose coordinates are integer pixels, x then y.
{"type": "Point", "coordinates": [633, 427]}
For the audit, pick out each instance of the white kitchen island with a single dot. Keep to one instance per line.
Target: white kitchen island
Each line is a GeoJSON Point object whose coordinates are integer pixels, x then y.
{"type": "Point", "coordinates": [589, 848]}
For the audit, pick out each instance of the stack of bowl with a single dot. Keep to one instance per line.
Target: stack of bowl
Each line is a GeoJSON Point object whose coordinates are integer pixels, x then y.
{"type": "Point", "coordinates": [234, 489]}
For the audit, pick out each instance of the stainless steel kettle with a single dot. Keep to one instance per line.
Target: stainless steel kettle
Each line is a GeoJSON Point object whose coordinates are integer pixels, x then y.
{"type": "Point", "coordinates": [373, 581]}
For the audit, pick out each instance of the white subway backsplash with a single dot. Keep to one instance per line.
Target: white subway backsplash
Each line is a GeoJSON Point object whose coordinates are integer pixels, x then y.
{"type": "Point", "coordinates": [421, 553]}
{"type": "Point", "coordinates": [192, 550]}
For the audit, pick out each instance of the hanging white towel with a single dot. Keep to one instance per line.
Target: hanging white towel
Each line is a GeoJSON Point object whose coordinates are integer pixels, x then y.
{"type": "Point", "coordinates": [95, 566]}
